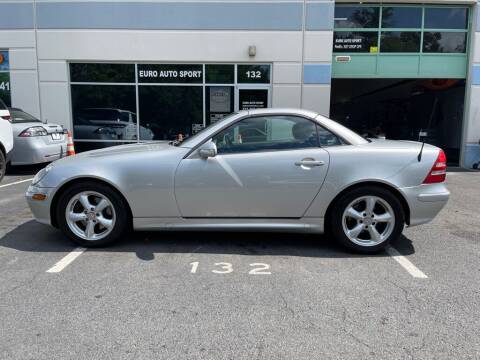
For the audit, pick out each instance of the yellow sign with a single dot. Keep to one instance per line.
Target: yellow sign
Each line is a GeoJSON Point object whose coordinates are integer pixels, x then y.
{"type": "Point", "coordinates": [373, 49]}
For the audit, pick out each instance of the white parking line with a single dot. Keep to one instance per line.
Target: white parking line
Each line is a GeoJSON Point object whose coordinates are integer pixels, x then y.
{"type": "Point", "coordinates": [67, 260]}
{"type": "Point", "coordinates": [406, 264]}
{"type": "Point", "coordinates": [16, 182]}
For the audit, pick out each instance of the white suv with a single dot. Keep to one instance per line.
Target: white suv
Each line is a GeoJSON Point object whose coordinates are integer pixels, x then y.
{"type": "Point", "coordinates": [6, 138]}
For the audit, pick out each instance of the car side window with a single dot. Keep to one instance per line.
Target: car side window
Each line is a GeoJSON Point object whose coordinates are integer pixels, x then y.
{"type": "Point", "coordinates": [264, 133]}
{"type": "Point", "coordinates": [327, 138]}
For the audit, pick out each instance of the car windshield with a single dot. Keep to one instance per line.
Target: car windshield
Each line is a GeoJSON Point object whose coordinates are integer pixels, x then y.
{"type": "Point", "coordinates": [186, 142]}
{"type": "Point", "coordinates": [19, 116]}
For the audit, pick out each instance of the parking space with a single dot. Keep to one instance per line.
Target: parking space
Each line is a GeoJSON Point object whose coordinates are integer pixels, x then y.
{"type": "Point", "coordinates": [190, 295]}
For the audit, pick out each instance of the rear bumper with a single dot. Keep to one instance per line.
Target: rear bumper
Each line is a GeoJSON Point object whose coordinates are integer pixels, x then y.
{"type": "Point", "coordinates": [40, 208]}
{"type": "Point", "coordinates": [35, 151]}
{"type": "Point", "coordinates": [425, 201]}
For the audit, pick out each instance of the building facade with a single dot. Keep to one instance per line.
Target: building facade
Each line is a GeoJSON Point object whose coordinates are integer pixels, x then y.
{"type": "Point", "coordinates": [124, 71]}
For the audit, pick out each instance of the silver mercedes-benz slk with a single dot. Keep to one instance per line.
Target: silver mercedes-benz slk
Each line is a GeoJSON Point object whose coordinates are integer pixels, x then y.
{"type": "Point", "coordinates": [257, 170]}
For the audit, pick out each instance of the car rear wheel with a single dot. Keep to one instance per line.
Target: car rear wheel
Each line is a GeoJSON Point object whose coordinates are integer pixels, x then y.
{"type": "Point", "coordinates": [3, 165]}
{"type": "Point", "coordinates": [366, 219]}
{"type": "Point", "coordinates": [92, 214]}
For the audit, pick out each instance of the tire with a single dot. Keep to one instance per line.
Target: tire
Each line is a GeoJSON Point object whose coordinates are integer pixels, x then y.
{"type": "Point", "coordinates": [475, 166]}
{"type": "Point", "coordinates": [351, 214]}
{"type": "Point", "coordinates": [107, 214]}
{"type": "Point", "coordinates": [3, 165]}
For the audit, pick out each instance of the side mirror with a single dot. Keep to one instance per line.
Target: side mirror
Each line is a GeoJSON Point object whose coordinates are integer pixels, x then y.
{"type": "Point", "coordinates": [209, 149]}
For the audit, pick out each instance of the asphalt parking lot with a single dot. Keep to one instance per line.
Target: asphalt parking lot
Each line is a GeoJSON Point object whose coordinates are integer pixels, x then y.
{"type": "Point", "coordinates": [193, 295]}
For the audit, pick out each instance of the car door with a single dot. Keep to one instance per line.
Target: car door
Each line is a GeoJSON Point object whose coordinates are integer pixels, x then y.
{"type": "Point", "coordinates": [266, 167]}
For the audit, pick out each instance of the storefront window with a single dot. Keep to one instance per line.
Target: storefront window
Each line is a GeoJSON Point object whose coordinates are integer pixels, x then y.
{"type": "Point", "coordinates": [174, 100]}
{"type": "Point", "coordinates": [170, 73]}
{"type": "Point", "coordinates": [110, 73]}
{"type": "Point", "coordinates": [446, 18]}
{"type": "Point", "coordinates": [104, 112]}
{"type": "Point", "coordinates": [220, 74]}
{"type": "Point", "coordinates": [168, 111]}
{"type": "Point", "coordinates": [349, 41]}
{"type": "Point", "coordinates": [5, 77]}
{"type": "Point", "coordinates": [401, 17]}
{"type": "Point", "coordinates": [356, 17]}
{"type": "Point", "coordinates": [444, 42]}
{"type": "Point", "coordinates": [219, 102]}
{"type": "Point", "coordinates": [408, 27]}
{"type": "Point", "coordinates": [253, 74]}
{"type": "Point", "coordinates": [400, 41]}
{"type": "Point", "coordinates": [253, 99]}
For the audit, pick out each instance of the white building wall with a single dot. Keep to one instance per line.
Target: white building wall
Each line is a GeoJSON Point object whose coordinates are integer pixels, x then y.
{"type": "Point", "coordinates": [471, 131]}
{"type": "Point", "coordinates": [23, 68]}
{"type": "Point", "coordinates": [147, 32]}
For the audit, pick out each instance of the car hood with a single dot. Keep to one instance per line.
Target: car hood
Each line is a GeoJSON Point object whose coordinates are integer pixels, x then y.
{"type": "Point", "coordinates": [117, 154]}
{"type": "Point", "coordinates": [127, 149]}
{"type": "Point", "coordinates": [113, 163]}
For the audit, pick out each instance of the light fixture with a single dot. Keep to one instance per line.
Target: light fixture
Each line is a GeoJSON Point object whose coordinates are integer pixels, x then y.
{"type": "Point", "coordinates": [252, 50]}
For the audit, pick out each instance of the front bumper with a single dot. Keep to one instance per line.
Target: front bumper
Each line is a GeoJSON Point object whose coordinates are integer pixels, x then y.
{"type": "Point", "coordinates": [425, 201]}
{"type": "Point", "coordinates": [40, 208]}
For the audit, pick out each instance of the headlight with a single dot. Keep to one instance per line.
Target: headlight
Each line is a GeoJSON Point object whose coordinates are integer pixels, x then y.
{"type": "Point", "coordinates": [41, 174]}
{"type": "Point", "coordinates": [33, 131]}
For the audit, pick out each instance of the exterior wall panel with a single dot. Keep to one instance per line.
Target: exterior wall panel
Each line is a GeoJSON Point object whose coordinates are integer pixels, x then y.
{"type": "Point", "coordinates": [286, 96]}
{"type": "Point", "coordinates": [23, 59]}
{"type": "Point", "coordinates": [318, 46]}
{"type": "Point", "coordinates": [317, 98]}
{"type": "Point", "coordinates": [24, 91]}
{"type": "Point", "coordinates": [56, 103]}
{"type": "Point", "coordinates": [290, 73]}
{"type": "Point", "coordinates": [170, 15]}
{"type": "Point", "coordinates": [471, 153]}
{"type": "Point", "coordinates": [16, 15]}
{"type": "Point", "coordinates": [168, 46]}
{"type": "Point", "coordinates": [53, 71]}
{"type": "Point", "coordinates": [319, 15]}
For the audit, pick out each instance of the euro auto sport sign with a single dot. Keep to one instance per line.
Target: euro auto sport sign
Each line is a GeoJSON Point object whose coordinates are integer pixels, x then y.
{"type": "Point", "coordinates": [170, 73]}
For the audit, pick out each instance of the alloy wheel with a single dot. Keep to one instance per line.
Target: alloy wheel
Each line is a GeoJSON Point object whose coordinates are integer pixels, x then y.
{"type": "Point", "coordinates": [368, 221]}
{"type": "Point", "coordinates": [90, 215]}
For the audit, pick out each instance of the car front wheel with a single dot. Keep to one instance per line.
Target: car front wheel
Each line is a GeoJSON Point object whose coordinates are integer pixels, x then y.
{"type": "Point", "coordinates": [92, 214]}
{"type": "Point", "coordinates": [366, 219]}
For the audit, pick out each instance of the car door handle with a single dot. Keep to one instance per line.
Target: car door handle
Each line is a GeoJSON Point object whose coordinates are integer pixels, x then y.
{"type": "Point", "coordinates": [310, 163]}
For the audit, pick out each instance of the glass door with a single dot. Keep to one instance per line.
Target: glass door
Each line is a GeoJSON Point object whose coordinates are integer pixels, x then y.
{"type": "Point", "coordinates": [253, 98]}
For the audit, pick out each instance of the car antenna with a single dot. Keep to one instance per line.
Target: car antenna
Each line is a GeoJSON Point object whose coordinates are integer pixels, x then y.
{"type": "Point", "coordinates": [424, 133]}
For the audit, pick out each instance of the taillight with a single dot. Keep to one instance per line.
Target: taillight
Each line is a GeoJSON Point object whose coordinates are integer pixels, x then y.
{"type": "Point", "coordinates": [439, 170]}
{"type": "Point", "coordinates": [33, 131]}
{"type": "Point", "coordinates": [6, 117]}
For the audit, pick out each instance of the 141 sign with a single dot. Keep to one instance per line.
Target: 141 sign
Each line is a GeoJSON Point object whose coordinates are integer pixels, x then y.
{"type": "Point", "coordinates": [5, 87]}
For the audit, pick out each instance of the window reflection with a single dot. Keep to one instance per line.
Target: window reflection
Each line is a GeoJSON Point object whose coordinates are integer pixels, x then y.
{"type": "Point", "coordinates": [446, 18]}
{"type": "Point", "coordinates": [91, 72]}
{"type": "Point", "coordinates": [168, 111]}
{"type": "Point", "coordinates": [104, 112]}
{"type": "Point", "coordinates": [401, 17]}
{"type": "Point", "coordinates": [444, 42]}
{"type": "Point", "coordinates": [267, 133]}
{"type": "Point", "coordinates": [356, 17]}
{"type": "Point", "coordinates": [355, 41]}
{"type": "Point", "coordinates": [400, 41]}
